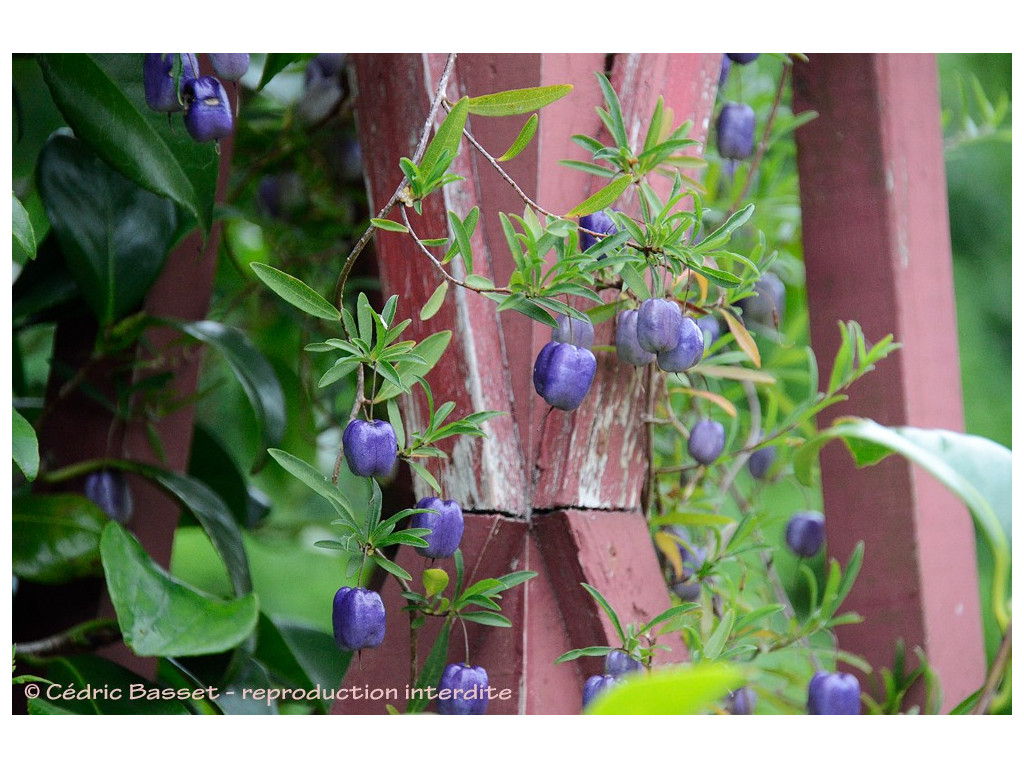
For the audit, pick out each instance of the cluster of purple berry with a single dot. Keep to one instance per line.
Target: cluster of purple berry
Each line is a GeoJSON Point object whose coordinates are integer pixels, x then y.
{"type": "Point", "coordinates": [617, 665]}
{"type": "Point", "coordinates": [208, 114]}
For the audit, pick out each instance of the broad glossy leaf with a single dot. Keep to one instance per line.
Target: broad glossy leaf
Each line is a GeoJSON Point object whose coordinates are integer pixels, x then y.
{"type": "Point", "coordinates": [115, 235]}
{"type": "Point", "coordinates": [22, 227]}
{"type": "Point", "coordinates": [518, 101]}
{"type": "Point", "coordinates": [603, 198]}
{"type": "Point", "coordinates": [211, 464]}
{"type": "Point", "coordinates": [138, 696]}
{"type": "Point", "coordinates": [254, 373]}
{"type": "Point", "coordinates": [295, 292]}
{"type": "Point", "coordinates": [101, 96]}
{"type": "Point", "coordinates": [55, 538]}
{"type": "Point", "coordinates": [25, 445]}
{"type": "Point", "coordinates": [160, 616]}
{"type": "Point", "coordinates": [674, 690]}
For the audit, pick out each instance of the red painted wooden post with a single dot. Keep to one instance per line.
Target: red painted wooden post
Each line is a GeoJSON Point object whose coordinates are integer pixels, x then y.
{"type": "Point", "coordinates": [553, 492]}
{"type": "Point", "coordinates": [876, 239]}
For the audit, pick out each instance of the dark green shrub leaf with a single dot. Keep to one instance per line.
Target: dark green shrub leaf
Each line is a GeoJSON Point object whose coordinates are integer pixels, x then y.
{"type": "Point", "coordinates": [55, 538]}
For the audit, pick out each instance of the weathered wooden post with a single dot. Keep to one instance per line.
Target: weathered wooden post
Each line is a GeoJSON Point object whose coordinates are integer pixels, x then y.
{"type": "Point", "coordinates": [876, 242]}
{"type": "Point", "coordinates": [552, 492]}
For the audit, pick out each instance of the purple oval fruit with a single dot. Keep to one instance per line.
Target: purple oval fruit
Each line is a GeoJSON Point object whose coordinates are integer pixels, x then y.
{"type": "Point", "coordinates": [742, 701]}
{"type": "Point", "coordinates": [760, 461]}
{"type": "Point", "coordinates": [596, 684]}
{"type": "Point", "coordinates": [358, 619]}
{"type": "Point", "coordinates": [688, 350]}
{"type": "Point", "coordinates": [599, 222]}
{"type": "Point", "coordinates": [742, 58]}
{"type": "Point", "coordinates": [657, 325]}
{"type": "Point", "coordinates": [108, 489]}
{"type": "Point", "coordinates": [627, 346]}
{"type": "Point", "coordinates": [619, 663]}
{"type": "Point", "coordinates": [207, 109]}
{"type": "Point", "coordinates": [158, 79]}
{"type": "Point", "coordinates": [230, 66]}
{"type": "Point", "coordinates": [563, 373]}
{"type": "Point", "coordinates": [463, 690]}
{"type": "Point", "coordinates": [805, 533]}
{"type": "Point", "coordinates": [370, 447]}
{"type": "Point", "coordinates": [735, 129]}
{"type": "Point", "coordinates": [723, 74]}
{"type": "Point", "coordinates": [711, 328]}
{"type": "Point", "coordinates": [833, 693]}
{"type": "Point", "coordinates": [446, 526]}
{"type": "Point", "coordinates": [767, 304]}
{"type": "Point", "coordinates": [573, 331]}
{"type": "Point", "coordinates": [707, 441]}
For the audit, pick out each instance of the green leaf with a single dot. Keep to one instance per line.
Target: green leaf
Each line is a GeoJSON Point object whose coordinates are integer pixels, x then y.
{"type": "Point", "coordinates": [716, 643]}
{"type": "Point", "coordinates": [391, 567]}
{"type": "Point", "coordinates": [433, 666]}
{"type": "Point", "coordinates": [274, 63]}
{"type": "Point", "coordinates": [721, 236]}
{"type": "Point", "coordinates": [525, 306]}
{"type": "Point", "coordinates": [594, 650]}
{"type": "Point", "coordinates": [25, 445]}
{"type": "Point", "coordinates": [603, 198]}
{"type": "Point", "coordinates": [522, 140]}
{"type": "Point", "coordinates": [670, 613]}
{"type": "Point", "coordinates": [435, 580]}
{"type": "Point", "coordinates": [717, 276]}
{"type": "Point", "coordinates": [160, 616]}
{"type": "Point", "coordinates": [447, 138]}
{"type": "Point", "coordinates": [615, 125]}
{"type": "Point", "coordinates": [101, 97]}
{"type": "Point", "coordinates": [55, 538]}
{"type": "Point", "coordinates": [486, 618]}
{"type": "Point", "coordinates": [254, 373]}
{"type": "Point", "coordinates": [317, 482]}
{"type": "Point", "coordinates": [599, 598]}
{"type": "Point", "coordinates": [426, 476]}
{"type": "Point", "coordinates": [635, 281]}
{"type": "Point", "coordinates": [390, 226]}
{"type": "Point", "coordinates": [430, 349]}
{"type": "Point", "coordinates": [211, 464]}
{"type": "Point", "coordinates": [516, 102]}
{"type": "Point", "coordinates": [295, 292]}
{"type": "Point", "coordinates": [22, 227]}
{"type": "Point", "coordinates": [479, 282]}
{"type": "Point", "coordinates": [88, 672]}
{"type": "Point", "coordinates": [435, 301]}
{"type": "Point", "coordinates": [672, 690]}
{"type": "Point", "coordinates": [462, 235]}
{"type": "Point", "coordinates": [114, 234]}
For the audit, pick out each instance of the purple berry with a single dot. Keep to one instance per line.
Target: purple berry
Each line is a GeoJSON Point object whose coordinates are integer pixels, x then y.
{"type": "Point", "coordinates": [657, 325]}
{"type": "Point", "coordinates": [207, 109]}
{"type": "Point", "coordinates": [370, 447]}
{"type": "Point", "coordinates": [742, 58]}
{"type": "Point", "coordinates": [760, 461]}
{"type": "Point", "coordinates": [687, 586]}
{"type": "Point", "coordinates": [463, 690]}
{"type": "Point", "coordinates": [445, 527]}
{"type": "Point", "coordinates": [358, 619]}
{"type": "Point", "coordinates": [735, 128]}
{"type": "Point", "coordinates": [723, 74]}
{"type": "Point", "coordinates": [573, 331]}
{"type": "Point", "coordinates": [742, 701]}
{"type": "Point", "coordinates": [687, 352]}
{"type": "Point", "coordinates": [707, 441]}
{"type": "Point", "coordinates": [563, 374]}
{"type": "Point", "coordinates": [230, 66]}
{"type": "Point", "coordinates": [766, 306]}
{"type": "Point", "coordinates": [619, 663]}
{"type": "Point", "coordinates": [596, 684]}
{"type": "Point", "coordinates": [711, 328]}
{"type": "Point", "coordinates": [596, 222]}
{"type": "Point", "coordinates": [805, 533]}
{"type": "Point", "coordinates": [158, 79]}
{"type": "Point", "coordinates": [627, 346]}
{"type": "Point", "coordinates": [836, 693]}
{"type": "Point", "coordinates": [108, 489]}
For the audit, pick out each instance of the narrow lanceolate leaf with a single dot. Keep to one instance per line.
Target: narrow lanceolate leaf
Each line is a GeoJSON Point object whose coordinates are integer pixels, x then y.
{"type": "Point", "coordinates": [160, 616]}
{"type": "Point", "coordinates": [734, 373]}
{"type": "Point", "coordinates": [743, 338]}
{"type": "Point", "coordinates": [609, 612]}
{"type": "Point", "coordinates": [603, 198]}
{"type": "Point", "coordinates": [390, 226]}
{"type": "Point", "coordinates": [462, 235]}
{"type": "Point", "coordinates": [101, 97]}
{"type": "Point", "coordinates": [724, 403]}
{"type": "Point", "coordinates": [275, 63]}
{"type": "Point", "coordinates": [518, 101]}
{"type": "Point", "coordinates": [435, 301]}
{"type": "Point", "coordinates": [522, 140]}
{"type": "Point", "coordinates": [295, 292]}
{"type": "Point", "coordinates": [448, 137]}
{"type": "Point", "coordinates": [22, 226]}
{"type": "Point", "coordinates": [25, 445]}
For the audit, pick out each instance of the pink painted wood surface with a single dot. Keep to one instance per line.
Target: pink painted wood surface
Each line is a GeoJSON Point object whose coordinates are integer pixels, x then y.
{"type": "Point", "coordinates": [568, 485]}
{"type": "Point", "coordinates": [876, 241]}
